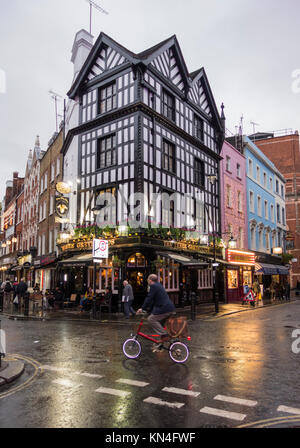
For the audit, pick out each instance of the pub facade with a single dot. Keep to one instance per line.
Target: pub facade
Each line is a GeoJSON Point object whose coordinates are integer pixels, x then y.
{"type": "Point", "coordinates": [143, 124]}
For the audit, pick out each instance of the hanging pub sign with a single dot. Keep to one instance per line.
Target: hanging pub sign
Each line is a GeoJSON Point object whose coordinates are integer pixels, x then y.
{"type": "Point", "coordinates": [100, 249]}
{"type": "Point", "coordinates": [61, 206]}
{"type": "Point", "coordinates": [63, 188]}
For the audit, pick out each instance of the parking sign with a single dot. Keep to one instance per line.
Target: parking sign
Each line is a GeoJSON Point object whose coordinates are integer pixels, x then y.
{"type": "Point", "coordinates": [100, 249]}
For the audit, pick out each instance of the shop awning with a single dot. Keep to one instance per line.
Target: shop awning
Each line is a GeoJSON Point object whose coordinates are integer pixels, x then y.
{"type": "Point", "coordinates": [78, 259]}
{"type": "Point", "coordinates": [270, 269]}
{"type": "Point", "coordinates": [184, 261]}
{"type": "Point", "coordinates": [282, 270]}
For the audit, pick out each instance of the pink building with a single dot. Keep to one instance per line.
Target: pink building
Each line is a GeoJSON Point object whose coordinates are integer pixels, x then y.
{"type": "Point", "coordinates": [233, 196]}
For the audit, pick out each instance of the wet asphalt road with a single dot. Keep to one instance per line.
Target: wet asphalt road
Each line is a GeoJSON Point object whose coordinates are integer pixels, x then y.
{"type": "Point", "coordinates": [246, 356]}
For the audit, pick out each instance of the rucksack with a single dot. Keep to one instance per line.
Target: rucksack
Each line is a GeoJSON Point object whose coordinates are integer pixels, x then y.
{"type": "Point", "coordinates": [7, 287]}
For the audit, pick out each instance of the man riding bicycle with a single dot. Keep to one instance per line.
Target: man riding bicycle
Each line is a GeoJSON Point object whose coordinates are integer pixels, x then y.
{"type": "Point", "coordinates": [160, 305]}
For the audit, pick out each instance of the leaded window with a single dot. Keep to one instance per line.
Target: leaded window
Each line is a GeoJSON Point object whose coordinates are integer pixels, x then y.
{"type": "Point", "coordinates": [198, 128]}
{"type": "Point", "coordinates": [168, 105]}
{"type": "Point", "coordinates": [199, 171]}
{"type": "Point", "coordinates": [107, 98]}
{"type": "Point", "coordinates": [168, 156]}
{"type": "Point", "coordinates": [107, 153]}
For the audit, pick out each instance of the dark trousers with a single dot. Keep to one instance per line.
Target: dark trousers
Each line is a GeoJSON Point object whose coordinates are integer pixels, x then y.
{"type": "Point", "coordinates": [128, 308]}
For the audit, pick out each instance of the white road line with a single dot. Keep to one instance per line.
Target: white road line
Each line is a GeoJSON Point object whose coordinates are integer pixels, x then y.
{"type": "Point", "coordinates": [55, 369]}
{"type": "Point", "coordinates": [236, 400]}
{"type": "Point", "coordinates": [132, 382]}
{"type": "Point", "coordinates": [90, 375]}
{"type": "Point", "coordinates": [174, 390]}
{"type": "Point", "coordinates": [159, 402]}
{"type": "Point", "coordinates": [222, 413]}
{"type": "Point", "coordinates": [288, 410]}
{"type": "Point", "coordinates": [106, 390]}
{"type": "Point", "coordinates": [69, 371]}
{"type": "Point", "coordinates": [66, 383]}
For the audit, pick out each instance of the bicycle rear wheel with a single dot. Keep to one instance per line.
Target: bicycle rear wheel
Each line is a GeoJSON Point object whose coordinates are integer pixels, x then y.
{"type": "Point", "coordinates": [132, 348]}
{"type": "Point", "coordinates": [179, 352]}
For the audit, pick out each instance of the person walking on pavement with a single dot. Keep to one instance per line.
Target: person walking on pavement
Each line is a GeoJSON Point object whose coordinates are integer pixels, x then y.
{"type": "Point", "coordinates": [8, 289]}
{"type": "Point", "coordinates": [160, 305]}
{"type": "Point", "coordinates": [127, 299]}
{"type": "Point", "coordinates": [21, 290]}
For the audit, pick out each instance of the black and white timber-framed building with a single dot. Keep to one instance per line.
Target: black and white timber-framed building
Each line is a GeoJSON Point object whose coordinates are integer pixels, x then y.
{"type": "Point", "coordinates": [143, 122]}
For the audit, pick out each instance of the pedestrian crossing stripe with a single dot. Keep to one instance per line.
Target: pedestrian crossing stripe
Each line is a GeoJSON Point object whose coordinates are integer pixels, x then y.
{"type": "Point", "coordinates": [109, 391]}
{"type": "Point", "coordinates": [132, 382]}
{"type": "Point", "coordinates": [159, 402]}
{"type": "Point", "coordinates": [236, 400]}
{"type": "Point", "coordinates": [222, 413]}
{"type": "Point", "coordinates": [174, 390]}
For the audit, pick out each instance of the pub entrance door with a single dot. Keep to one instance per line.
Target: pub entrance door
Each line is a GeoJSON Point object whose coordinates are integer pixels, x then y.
{"type": "Point", "coordinates": [136, 273]}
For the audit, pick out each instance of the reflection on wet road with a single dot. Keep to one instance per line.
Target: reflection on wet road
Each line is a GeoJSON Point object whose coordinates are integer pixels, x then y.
{"type": "Point", "coordinates": [241, 370]}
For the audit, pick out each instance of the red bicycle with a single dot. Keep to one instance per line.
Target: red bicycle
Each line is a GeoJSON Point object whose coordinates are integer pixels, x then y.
{"type": "Point", "coordinates": [178, 351]}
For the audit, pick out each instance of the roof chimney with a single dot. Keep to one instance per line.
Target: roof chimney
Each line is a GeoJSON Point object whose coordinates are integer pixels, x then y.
{"type": "Point", "coordinates": [82, 46]}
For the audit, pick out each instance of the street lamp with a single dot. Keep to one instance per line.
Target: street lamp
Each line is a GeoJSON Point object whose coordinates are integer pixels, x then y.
{"type": "Point", "coordinates": [212, 178]}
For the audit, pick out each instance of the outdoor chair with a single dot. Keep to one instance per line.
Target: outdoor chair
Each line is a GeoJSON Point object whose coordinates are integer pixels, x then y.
{"type": "Point", "coordinates": [70, 302]}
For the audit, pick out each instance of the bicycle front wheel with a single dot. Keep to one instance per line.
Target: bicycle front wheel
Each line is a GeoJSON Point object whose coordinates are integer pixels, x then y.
{"type": "Point", "coordinates": [179, 352]}
{"type": "Point", "coordinates": [132, 348]}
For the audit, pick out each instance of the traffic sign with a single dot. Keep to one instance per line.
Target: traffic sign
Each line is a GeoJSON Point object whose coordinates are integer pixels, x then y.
{"type": "Point", "coordinates": [100, 249]}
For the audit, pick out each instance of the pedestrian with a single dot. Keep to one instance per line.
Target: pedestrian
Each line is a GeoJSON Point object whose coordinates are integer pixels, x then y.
{"type": "Point", "coordinates": [8, 289]}
{"type": "Point", "coordinates": [127, 299]}
{"type": "Point", "coordinates": [288, 292]}
{"type": "Point", "coordinates": [256, 290]}
{"type": "Point", "coordinates": [160, 305]}
{"type": "Point", "coordinates": [20, 291]}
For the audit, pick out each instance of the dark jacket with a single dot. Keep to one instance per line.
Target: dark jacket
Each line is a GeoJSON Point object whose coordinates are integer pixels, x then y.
{"type": "Point", "coordinates": [21, 288]}
{"type": "Point", "coordinates": [158, 300]}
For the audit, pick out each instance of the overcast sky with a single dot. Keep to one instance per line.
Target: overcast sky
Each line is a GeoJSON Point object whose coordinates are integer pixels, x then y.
{"type": "Point", "coordinates": [249, 49]}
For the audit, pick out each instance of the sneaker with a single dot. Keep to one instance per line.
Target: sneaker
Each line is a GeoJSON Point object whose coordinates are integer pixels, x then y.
{"type": "Point", "coordinates": [157, 348]}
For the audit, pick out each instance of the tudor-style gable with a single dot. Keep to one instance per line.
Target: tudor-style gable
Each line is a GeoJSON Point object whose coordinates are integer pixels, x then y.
{"type": "Point", "coordinates": [167, 65]}
{"type": "Point", "coordinates": [198, 96]}
{"type": "Point", "coordinates": [108, 59]}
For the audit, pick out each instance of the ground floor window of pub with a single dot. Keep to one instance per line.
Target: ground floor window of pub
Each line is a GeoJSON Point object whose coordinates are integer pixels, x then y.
{"type": "Point", "coordinates": [168, 275]}
{"type": "Point", "coordinates": [232, 279]}
{"type": "Point", "coordinates": [247, 278]}
{"type": "Point", "coordinates": [205, 279]}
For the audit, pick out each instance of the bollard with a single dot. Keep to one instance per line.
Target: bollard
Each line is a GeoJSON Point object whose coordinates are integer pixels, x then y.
{"type": "Point", "coordinates": [26, 304]}
{"type": "Point", "coordinates": [1, 301]}
{"type": "Point", "coordinates": [94, 308]}
{"type": "Point", "coordinates": [193, 306]}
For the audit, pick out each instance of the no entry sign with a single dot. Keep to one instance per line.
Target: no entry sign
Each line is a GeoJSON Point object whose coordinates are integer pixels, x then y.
{"type": "Point", "coordinates": [100, 249]}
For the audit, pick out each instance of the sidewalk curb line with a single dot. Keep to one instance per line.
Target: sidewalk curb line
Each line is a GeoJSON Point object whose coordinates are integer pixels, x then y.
{"type": "Point", "coordinates": [12, 378]}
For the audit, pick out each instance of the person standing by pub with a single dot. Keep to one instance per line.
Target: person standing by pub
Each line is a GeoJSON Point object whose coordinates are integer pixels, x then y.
{"type": "Point", "coordinates": [127, 299]}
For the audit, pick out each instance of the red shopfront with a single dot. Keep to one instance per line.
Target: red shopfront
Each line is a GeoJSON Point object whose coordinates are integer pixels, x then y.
{"type": "Point", "coordinates": [239, 273]}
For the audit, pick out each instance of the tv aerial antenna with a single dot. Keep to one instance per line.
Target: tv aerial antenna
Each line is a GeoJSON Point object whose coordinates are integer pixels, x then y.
{"type": "Point", "coordinates": [56, 97]}
{"type": "Point", "coordinates": [94, 4]}
{"type": "Point", "coordinates": [254, 124]}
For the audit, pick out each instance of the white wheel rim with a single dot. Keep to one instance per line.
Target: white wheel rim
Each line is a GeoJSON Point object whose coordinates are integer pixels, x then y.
{"type": "Point", "coordinates": [136, 343]}
{"type": "Point", "coordinates": [185, 348]}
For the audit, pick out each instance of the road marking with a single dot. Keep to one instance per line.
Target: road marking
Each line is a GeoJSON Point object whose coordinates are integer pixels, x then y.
{"type": "Point", "coordinates": [90, 375]}
{"type": "Point", "coordinates": [288, 410]}
{"type": "Point", "coordinates": [174, 390]}
{"type": "Point", "coordinates": [64, 369]}
{"type": "Point", "coordinates": [222, 413]}
{"type": "Point", "coordinates": [66, 383]}
{"type": "Point", "coordinates": [106, 390]}
{"type": "Point", "coordinates": [55, 369]}
{"type": "Point", "coordinates": [236, 400]}
{"type": "Point", "coordinates": [132, 382]}
{"type": "Point", "coordinates": [159, 402]}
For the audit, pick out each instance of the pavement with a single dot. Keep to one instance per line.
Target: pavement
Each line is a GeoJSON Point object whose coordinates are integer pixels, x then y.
{"type": "Point", "coordinates": [10, 371]}
{"type": "Point", "coordinates": [203, 311]}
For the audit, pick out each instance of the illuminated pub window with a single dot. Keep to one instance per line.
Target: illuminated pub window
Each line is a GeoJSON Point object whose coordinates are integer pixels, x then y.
{"type": "Point", "coordinates": [232, 279]}
{"type": "Point", "coordinates": [136, 261]}
{"type": "Point", "coordinates": [247, 277]}
{"type": "Point", "coordinates": [205, 279]}
{"type": "Point", "coordinates": [168, 275]}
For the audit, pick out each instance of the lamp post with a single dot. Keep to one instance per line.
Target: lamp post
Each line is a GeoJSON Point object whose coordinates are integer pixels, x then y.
{"type": "Point", "coordinates": [212, 178]}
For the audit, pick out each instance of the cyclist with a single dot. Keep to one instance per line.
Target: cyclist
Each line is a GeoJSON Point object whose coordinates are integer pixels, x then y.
{"type": "Point", "coordinates": [160, 305]}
